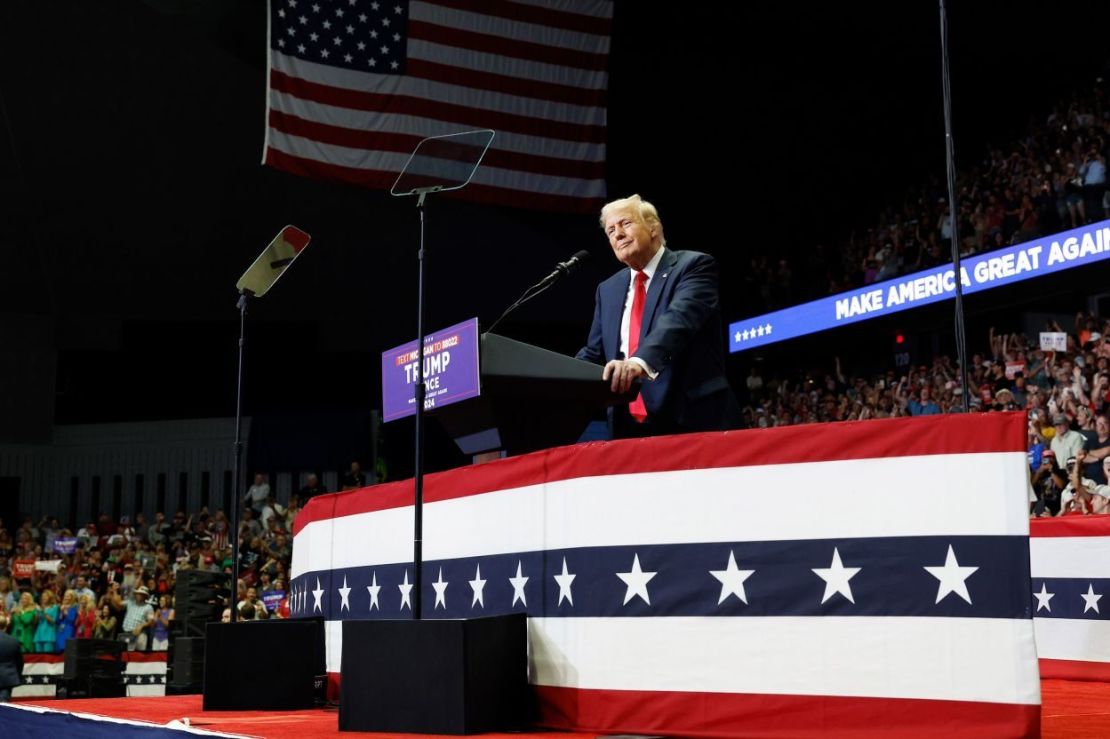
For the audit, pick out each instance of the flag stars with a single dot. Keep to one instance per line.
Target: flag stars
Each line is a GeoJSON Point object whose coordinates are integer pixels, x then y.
{"type": "Point", "coordinates": [564, 582]}
{"type": "Point", "coordinates": [373, 34]}
{"type": "Point", "coordinates": [837, 577]}
{"type": "Point", "coordinates": [440, 586]}
{"type": "Point", "coordinates": [406, 592]}
{"type": "Point", "coordinates": [362, 17]}
{"type": "Point", "coordinates": [361, 46]}
{"type": "Point", "coordinates": [338, 40]}
{"type": "Point", "coordinates": [327, 25]}
{"type": "Point", "coordinates": [303, 20]}
{"type": "Point", "coordinates": [281, 12]}
{"type": "Point", "coordinates": [732, 580]}
{"type": "Point", "coordinates": [339, 12]}
{"type": "Point", "coordinates": [1090, 599]}
{"type": "Point", "coordinates": [292, 3]}
{"type": "Point", "coordinates": [373, 588]}
{"type": "Point", "coordinates": [317, 594]}
{"type": "Point", "coordinates": [397, 9]}
{"type": "Point", "coordinates": [385, 22]}
{"type": "Point", "coordinates": [348, 58]}
{"type": "Point", "coordinates": [300, 48]}
{"type": "Point", "coordinates": [324, 53]}
{"type": "Point", "coordinates": [315, 8]}
{"type": "Point", "coordinates": [374, 6]}
{"type": "Point", "coordinates": [385, 49]}
{"type": "Point", "coordinates": [396, 37]}
{"type": "Point", "coordinates": [345, 595]}
{"type": "Point", "coordinates": [350, 29]}
{"type": "Point", "coordinates": [281, 43]}
{"type": "Point", "coordinates": [372, 62]}
{"type": "Point", "coordinates": [478, 585]}
{"type": "Point", "coordinates": [518, 584]}
{"type": "Point", "coordinates": [636, 582]}
{"type": "Point", "coordinates": [1043, 598]}
{"type": "Point", "coordinates": [394, 65]}
{"type": "Point", "coordinates": [952, 577]}
{"type": "Point", "coordinates": [291, 31]}
{"type": "Point", "coordinates": [313, 36]}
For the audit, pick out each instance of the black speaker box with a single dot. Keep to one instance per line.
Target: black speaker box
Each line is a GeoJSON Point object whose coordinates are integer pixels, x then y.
{"type": "Point", "coordinates": [84, 657]}
{"type": "Point", "coordinates": [435, 677]}
{"type": "Point", "coordinates": [263, 665]}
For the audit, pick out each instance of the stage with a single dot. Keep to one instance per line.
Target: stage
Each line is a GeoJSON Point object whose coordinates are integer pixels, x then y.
{"type": "Point", "coordinates": [1071, 710]}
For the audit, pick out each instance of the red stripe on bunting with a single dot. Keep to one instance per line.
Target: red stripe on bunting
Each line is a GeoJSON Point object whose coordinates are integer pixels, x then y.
{"type": "Point", "coordinates": [721, 715]}
{"type": "Point", "coordinates": [893, 437]}
{"type": "Point", "coordinates": [1094, 525]}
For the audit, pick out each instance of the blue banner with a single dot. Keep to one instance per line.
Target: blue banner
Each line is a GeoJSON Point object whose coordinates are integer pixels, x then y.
{"type": "Point", "coordinates": [1005, 266]}
{"type": "Point", "coordinates": [450, 371]}
{"type": "Point", "coordinates": [65, 544]}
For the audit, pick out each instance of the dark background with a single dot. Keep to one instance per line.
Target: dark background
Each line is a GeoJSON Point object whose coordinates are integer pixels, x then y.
{"type": "Point", "coordinates": [133, 196]}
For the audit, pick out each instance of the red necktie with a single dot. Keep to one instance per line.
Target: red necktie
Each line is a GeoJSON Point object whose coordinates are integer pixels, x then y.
{"type": "Point", "coordinates": [635, 322]}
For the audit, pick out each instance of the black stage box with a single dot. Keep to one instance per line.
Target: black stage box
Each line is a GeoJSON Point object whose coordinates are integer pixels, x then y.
{"type": "Point", "coordinates": [435, 677]}
{"type": "Point", "coordinates": [263, 665]}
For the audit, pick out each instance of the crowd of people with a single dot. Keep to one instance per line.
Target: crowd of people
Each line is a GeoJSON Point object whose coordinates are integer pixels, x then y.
{"type": "Point", "coordinates": [116, 579]}
{"type": "Point", "coordinates": [1066, 395]}
{"type": "Point", "coordinates": [1051, 179]}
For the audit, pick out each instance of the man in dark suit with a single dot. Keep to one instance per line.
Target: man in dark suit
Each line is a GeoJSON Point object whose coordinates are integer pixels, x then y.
{"type": "Point", "coordinates": [659, 322]}
{"type": "Point", "coordinates": [11, 666]}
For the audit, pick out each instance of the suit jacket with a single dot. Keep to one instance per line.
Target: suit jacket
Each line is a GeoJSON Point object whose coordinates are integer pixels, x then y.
{"type": "Point", "coordinates": [681, 338]}
{"type": "Point", "coordinates": [11, 662]}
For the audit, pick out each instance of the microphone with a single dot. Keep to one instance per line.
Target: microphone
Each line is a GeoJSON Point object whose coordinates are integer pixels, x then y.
{"type": "Point", "coordinates": [566, 268]}
{"type": "Point", "coordinates": [561, 269]}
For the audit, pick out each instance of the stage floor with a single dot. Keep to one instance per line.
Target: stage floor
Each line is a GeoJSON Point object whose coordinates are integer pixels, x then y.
{"type": "Point", "coordinates": [1071, 710]}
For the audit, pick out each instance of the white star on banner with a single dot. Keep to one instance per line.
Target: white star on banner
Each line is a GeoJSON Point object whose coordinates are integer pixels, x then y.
{"type": "Point", "coordinates": [518, 584]}
{"type": "Point", "coordinates": [478, 585]}
{"type": "Point", "coordinates": [1043, 598]}
{"type": "Point", "coordinates": [745, 335]}
{"type": "Point", "coordinates": [737, 337]}
{"type": "Point", "coordinates": [767, 329]}
{"type": "Point", "coordinates": [759, 331]}
{"type": "Point", "coordinates": [373, 588]}
{"type": "Point", "coordinates": [344, 595]}
{"type": "Point", "coordinates": [317, 593]}
{"type": "Point", "coordinates": [1090, 599]}
{"type": "Point", "coordinates": [348, 58]}
{"type": "Point", "coordinates": [636, 581]}
{"type": "Point", "coordinates": [732, 580]}
{"type": "Point", "coordinates": [406, 592]}
{"type": "Point", "coordinates": [440, 586]}
{"type": "Point", "coordinates": [564, 581]}
{"type": "Point", "coordinates": [836, 577]}
{"type": "Point", "coordinates": [952, 577]}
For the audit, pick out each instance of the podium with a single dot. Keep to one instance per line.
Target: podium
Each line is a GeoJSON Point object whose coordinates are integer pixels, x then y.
{"type": "Point", "coordinates": [531, 399]}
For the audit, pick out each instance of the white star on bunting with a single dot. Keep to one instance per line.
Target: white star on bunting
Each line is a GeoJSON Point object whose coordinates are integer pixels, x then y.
{"type": "Point", "coordinates": [478, 585]}
{"type": "Point", "coordinates": [636, 581]}
{"type": "Point", "coordinates": [732, 580]}
{"type": "Point", "coordinates": [373, 588]}
{"type": "Point", "coordinates": [564, 581]}
{"type": "Point", "coordinates": [953, 578]}
{"type": "Point", "coordinates": [836, 577]}
{"type": "Point", "coordinates": [440, 586]}
{"type": "Point", "coordinates": [518, 584]}
{"type": "Point", "coordinates": [317, 594]}
{"type": "Point", "coordinates": [344, 595]}
{"type": "Point", "coordinates": [1043, 598]}
{"type": "Point", "coordinates": [1090, 599]}
{"type": "Point", "coordinates": [406, 592]}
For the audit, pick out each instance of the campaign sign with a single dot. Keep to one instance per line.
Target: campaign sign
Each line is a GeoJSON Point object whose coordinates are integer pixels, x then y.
{"type": "Point", "coordinates": [65, 544]}
{"type": "Point", "coordinates": [272, 599]}
{"type": "Point", "coordinates": [450, 371]}
{"type": "Point", "coordinates": [1069, 249]}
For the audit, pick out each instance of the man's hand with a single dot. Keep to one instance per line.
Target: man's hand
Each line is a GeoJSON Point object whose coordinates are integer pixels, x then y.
{"type": "Point", "coordinates": [621, 373]}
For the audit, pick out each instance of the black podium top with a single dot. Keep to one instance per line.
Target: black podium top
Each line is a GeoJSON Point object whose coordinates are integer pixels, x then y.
{"type": "Point", "coordinates": [531, 399]}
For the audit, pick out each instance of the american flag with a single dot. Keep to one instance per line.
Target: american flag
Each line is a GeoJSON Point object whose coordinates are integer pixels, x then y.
{"type": "Point", "coordinates": [1069, 560]}
{"type": "Point", "coordinates": [841, 579]}
{"type": "Point", "coordinates": [355, 84]}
